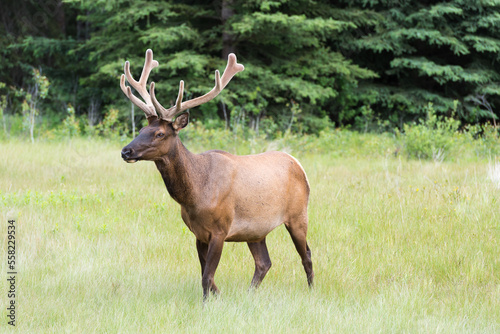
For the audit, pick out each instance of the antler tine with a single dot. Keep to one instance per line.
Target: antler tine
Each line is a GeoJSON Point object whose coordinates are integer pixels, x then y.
{"type": "Point", "coordinates": [232, 68]}
{"type": "Point", "coordinates": [175, 110]}
{"type": "Point", "coordinates": [140, 86]}
{"type": "Point", "coordinates": [180, 95]}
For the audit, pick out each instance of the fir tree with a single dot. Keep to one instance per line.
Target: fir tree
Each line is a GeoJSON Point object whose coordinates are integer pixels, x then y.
{"type": "Point", "coordinates": [429, 51]}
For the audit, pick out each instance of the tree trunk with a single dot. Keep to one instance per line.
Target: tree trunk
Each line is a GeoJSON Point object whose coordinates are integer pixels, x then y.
{"type": "Point", "coordinates": [133, 120]}
{"type": "Point", "coordinates": [227, 37]}
{"type": "Point", "coordinates": [227, 43]}
{"type": "Point", "coordinates": [224, 111]}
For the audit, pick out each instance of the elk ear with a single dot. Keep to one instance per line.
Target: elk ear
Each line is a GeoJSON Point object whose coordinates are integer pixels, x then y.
{"type": "Point", "coordinates": [181, 121]}
{"type": "Point", "coordinates": [151, 119]}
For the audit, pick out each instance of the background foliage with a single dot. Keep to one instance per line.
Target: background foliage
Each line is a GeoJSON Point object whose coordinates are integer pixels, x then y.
{"type": "Point", "coordinates": [373, 65]}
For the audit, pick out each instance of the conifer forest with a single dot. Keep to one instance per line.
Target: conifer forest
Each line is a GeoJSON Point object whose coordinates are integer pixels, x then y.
{"type": "Point", "coordinates": [370, 65]}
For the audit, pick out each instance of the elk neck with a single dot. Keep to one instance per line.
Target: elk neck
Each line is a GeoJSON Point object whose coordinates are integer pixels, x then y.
{"type": "Point", "coordinates": [181, 171]}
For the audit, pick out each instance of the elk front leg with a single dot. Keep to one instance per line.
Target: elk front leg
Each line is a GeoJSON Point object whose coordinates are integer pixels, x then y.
{"type": "Point", "coordinates": [213, 255]}
{"type": "Point", "coordinates": [202, 249]}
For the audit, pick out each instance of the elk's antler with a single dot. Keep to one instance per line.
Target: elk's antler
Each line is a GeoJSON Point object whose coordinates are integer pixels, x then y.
{"type": "Point", "coordinates": [140, 86]}
{"type": "Point", "coordinates": [220, 82]}
{"type": "Point", "coordinates": [152, 106]}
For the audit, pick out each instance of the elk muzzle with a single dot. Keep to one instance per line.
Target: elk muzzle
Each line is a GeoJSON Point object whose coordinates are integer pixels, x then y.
{"type": "Point", "coordinates": [127, 155]}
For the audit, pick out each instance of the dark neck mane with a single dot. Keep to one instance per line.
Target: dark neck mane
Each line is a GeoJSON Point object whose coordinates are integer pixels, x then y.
{"type": "Point", "coordinates": [178, 170]}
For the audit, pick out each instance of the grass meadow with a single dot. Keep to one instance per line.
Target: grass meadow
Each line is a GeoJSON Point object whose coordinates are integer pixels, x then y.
{"type": "Point", "coordinates": [398, 245]}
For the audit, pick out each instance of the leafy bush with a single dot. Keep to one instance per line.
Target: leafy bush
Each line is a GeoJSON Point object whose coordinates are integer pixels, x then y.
{"type": "Point", "coordinates": [431, 138]}
{"type": "Point", "coordinates": [71, 126]}
{"type": "Point", "coordinates": [483, 140]}
{"type": "Point", "coordinates": [111, 127]}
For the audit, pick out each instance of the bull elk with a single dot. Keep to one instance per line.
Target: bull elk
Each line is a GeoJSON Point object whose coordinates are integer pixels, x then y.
{"type": "Point", "coordinates": [223, 197]}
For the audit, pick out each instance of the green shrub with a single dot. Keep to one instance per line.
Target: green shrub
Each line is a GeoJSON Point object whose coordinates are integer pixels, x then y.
{"type": "Point", "coordinates": [431, 138]}
{"type": "Point", "coordinates": [483, 140]}
{"type": "Point", "coordinates": [111, 127]}
{"type": "Point", "coordinates": [71, 126]}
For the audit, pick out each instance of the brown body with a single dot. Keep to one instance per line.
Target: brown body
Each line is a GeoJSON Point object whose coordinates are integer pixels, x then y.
{"type": "Point", "coordinates": [224, 197]}
{"type": "Point", "coordinates": [244, 199]}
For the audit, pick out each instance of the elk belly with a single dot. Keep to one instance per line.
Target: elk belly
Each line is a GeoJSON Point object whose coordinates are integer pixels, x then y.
{"type": "Point", "coordinates": [252, 230]}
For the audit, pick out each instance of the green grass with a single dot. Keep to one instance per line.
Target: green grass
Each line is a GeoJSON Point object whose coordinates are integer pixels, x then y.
{"type": "Point", "coordinates": [398, 246]}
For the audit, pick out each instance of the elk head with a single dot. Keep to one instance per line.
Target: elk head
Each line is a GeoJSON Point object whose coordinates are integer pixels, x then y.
{"type": "Point", "coordinates": [156, 139]}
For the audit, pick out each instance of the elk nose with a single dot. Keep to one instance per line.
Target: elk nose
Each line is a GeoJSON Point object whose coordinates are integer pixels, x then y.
{"type": "Point", "coordinates": [127, 152]}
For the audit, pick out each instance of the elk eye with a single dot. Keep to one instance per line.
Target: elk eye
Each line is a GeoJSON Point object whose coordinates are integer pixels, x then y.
{"type": "Point", "coordinates": [159, 134]}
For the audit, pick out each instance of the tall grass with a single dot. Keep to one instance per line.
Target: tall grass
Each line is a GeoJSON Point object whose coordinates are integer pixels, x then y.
{"type": "Point", "coordinates": [398, 245]}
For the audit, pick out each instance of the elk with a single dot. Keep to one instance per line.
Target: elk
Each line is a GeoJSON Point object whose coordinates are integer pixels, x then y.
{"type": "Point", "coordinates": [223, 197]}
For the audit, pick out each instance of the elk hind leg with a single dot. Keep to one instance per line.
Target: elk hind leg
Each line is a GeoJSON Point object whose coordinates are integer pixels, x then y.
{"type": "Point", "coordinates": [298, 232]}
{"type": "Point", "coordinates": [262, 261]}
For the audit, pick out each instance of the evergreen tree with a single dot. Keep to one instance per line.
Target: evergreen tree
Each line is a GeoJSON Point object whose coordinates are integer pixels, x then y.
{"type": "Point", "coordinates": [428, 51]}
{"type": "Point", "coordinates": [305, 60]}
{"type": "Point", "coordinates": [36, 37]}
{"type": "Point", "coordinates": [287, 44]}
{"type": "Point", "coordinates": [283, 46]}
